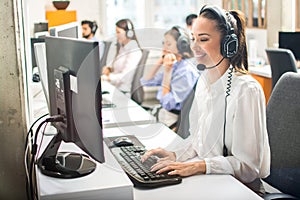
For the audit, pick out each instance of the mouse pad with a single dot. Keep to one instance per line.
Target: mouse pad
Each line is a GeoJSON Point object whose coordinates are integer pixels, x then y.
{"type": "Point", "coordinates": [109, 141]}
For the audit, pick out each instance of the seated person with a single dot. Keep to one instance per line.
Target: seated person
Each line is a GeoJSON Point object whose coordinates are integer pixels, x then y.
{"type": "Point", "coordinates": [128, 54]}
{"type": "Point", "coordinates": [89, 29]}
{"type": "Point", "coordinates": [178, 76]}
{"type": "Point", "coordinates": [228, 131]}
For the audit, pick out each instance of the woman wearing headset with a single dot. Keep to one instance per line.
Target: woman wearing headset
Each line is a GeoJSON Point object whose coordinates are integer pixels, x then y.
{"type": "Point", "coordinates": [128, 54]}
{"type": "Point", "coordinates": [227, 117]}
{"type": "Point", "coordinates": [178, 76]}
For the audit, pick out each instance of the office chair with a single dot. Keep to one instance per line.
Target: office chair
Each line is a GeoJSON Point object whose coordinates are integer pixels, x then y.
{"type": "Point", "coordinates": [183, 124]}
{"type": "Point", "coordinates": [137, 91]}
{"type": "Point", "coordinates": [281, 61]}
{"type": "Point", "coordinates": [103, 60]}
{"type": "Point", "coordinates": [283, 115]}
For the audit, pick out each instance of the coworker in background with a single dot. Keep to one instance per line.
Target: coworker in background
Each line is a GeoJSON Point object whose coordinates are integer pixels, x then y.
{"type": "Point", "coordinates": [178, 76]}
{"type": "Point", "coordinates": [128, 54]}
{"type": "Point", "coordinates": [89, 29]}
{"type": "Point", "coordinates": [189, 20]}
{"type": "Point", "coordinates": [228, 114]}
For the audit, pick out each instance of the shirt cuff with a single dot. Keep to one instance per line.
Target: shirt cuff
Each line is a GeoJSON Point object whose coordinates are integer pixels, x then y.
{"type": "Point", "coordinates": [207, 164]}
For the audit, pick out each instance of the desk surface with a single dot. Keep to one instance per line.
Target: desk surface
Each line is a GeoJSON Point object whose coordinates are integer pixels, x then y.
{"type": "Point", "coordinates": [264, 71]}
{"type": "Point", "coordinates": [126, 116]}
{"type": "Point", "coordinates": [116, 97]}
{"type": "Point", "coordinates": [110, 182]}
{"type": "Point", "coordinates": [126, 112]}
{"type": "Point", "coordinates": [194, 187]}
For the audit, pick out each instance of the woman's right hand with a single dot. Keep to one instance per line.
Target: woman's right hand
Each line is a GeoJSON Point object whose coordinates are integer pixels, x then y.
{"type": "Point", "coordinates": [169, 59]}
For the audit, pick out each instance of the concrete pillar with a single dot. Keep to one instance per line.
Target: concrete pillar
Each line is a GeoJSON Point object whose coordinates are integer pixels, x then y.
{"type": "Point", "coordinates": [12, 106]}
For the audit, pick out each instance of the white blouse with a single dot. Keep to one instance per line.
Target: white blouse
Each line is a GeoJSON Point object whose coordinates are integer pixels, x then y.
{"type": "Point", "coordinates": [246, 135]}
{"type": "Point", "coordinates": [125, 65]}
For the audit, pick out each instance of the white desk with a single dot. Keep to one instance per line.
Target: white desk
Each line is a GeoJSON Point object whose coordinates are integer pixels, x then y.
{"type": "Point", "coordinates": [107, 182]}
{"type": "Point", "coordinates": [264, 71]}
{"type": "Point", "coordinates": [126, 116]}
{"type": "Point", "coordinates": [127, 112]}
{"type": "Point", "coordinates": [194, 187]}
{"type": "Point", "coordinates": [116, 96]}
{"type": "Point", "coordinates": [110, 182]}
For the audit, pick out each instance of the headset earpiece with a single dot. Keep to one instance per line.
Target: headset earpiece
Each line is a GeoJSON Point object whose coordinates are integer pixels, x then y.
{"type": "Point", "coordinates": [130, 32]}
{"type": "Point", "coordinates": [94, 27]}
{"type": "Point", "coordinates": [230, 43]}
{"type": "Point", "coordinates": [183, 41]}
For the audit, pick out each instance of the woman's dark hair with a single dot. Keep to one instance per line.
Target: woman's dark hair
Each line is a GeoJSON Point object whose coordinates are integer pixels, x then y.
{"type": "Point", "coordinates": [182, 39]}
{"type": "Point", "coordinates": [237, 20]}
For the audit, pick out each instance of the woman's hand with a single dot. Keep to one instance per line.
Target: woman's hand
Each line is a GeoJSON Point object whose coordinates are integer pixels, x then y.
{"type": "Point", "coordinates": [162, 153]}
{"type": "Point", "coordinates": [167, 163]}
{"type": "Point", "coordinates": [168, 61]}
{"type": "Point", "coordinates": [106, 70]}
{"type": "Point", "coordinates": [179, 168]}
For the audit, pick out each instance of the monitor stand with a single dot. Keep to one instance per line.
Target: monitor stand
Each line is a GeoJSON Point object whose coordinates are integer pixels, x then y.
{"type": "Point", "coordinates": [64, 164]}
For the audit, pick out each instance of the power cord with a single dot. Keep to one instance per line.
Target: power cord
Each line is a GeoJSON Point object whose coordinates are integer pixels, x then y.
{"type": "Point", "coordinates": [31, 190]}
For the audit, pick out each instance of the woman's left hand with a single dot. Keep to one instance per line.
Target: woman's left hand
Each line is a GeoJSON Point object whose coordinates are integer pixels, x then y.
{"type": "Point", "coordinates": [179, 168]}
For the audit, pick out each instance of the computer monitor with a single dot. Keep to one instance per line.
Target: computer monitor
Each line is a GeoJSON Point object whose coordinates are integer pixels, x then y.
{"type": "Point", "coordinates": [75, 94]}
{"type": "Point", "coordinates": [71, 30]}
{"type": "Point", "coordinates": [32, 42]}
{"type": "Point", "coordinates": [290, 40]}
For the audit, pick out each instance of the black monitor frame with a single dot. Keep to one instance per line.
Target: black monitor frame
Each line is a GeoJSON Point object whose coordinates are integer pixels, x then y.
{"type": "Point", "coordinates": [291, 41]}
{"type": "Point", "coordinates": [74, 93]}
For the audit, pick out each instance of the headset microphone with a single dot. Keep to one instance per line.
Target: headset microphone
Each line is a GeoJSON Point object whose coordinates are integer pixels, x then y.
{"type": "Point", "coordinates": [202, 67]}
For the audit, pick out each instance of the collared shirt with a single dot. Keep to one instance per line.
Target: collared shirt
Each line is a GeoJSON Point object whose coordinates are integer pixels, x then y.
{"type": "Point", "coordinates": [184, 76]}
{"type": "Point", "coordinates": [125, 65]}
{"type": "Point", "coordinates": [246, 135]}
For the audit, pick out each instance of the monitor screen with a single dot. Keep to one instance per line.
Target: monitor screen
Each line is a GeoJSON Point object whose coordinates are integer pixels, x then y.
{"type": "Point", "coordinates": [70, 30]}
{"type": "Point", "coordinates": [75, 94]}
{"type": "Point", "coordinates": [290, 40]}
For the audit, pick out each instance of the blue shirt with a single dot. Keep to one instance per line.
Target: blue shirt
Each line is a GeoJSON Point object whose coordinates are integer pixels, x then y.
{"type": "Point", "coordinates": [184, 77]}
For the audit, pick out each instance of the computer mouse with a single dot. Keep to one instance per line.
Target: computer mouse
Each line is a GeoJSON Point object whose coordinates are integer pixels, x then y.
{"type": "Point", "coordinates": [123, 141]}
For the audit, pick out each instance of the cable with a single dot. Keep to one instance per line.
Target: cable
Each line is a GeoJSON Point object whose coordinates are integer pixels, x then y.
{"type": "Point", "coordinates": [225, 150]}
{"type": "Point", "coordinates": [56, 118]}
{"type": "Point", "coordinates": [27, 157]}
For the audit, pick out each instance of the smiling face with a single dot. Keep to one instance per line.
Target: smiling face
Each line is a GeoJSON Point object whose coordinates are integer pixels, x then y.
{"type": "Point", "coordinates": [206, 40]}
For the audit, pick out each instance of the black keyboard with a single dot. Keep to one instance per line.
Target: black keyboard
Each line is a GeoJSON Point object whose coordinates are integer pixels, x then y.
{"type": "Point", "coordinates": [138, 172]}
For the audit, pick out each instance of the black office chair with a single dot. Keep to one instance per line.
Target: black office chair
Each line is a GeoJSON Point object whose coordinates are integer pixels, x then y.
{"type": "Point", "coordinates": [103, 60]}
{"type": "Point", "coordinates": [183, 124]}
{"type": "Point", "coordinates": [283, 115]}
{"type": "Point", "coordinates": [281, 61]}
{"type": "Point", "coordinates": [137, 91]}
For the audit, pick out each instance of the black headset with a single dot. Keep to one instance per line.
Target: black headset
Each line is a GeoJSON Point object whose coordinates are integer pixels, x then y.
{"type": "Point", "coordinates": [94, 27]}
{"type": "Point", "coordinates": [230, 43]}
{"type": "Point", "coordinates": [130, 32]}
{"type": "Point", "coordinates": [183, 41]}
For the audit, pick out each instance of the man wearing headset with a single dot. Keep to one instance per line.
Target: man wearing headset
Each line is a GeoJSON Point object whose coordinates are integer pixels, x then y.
{"type": "Point", "coordinates": [89, 29]}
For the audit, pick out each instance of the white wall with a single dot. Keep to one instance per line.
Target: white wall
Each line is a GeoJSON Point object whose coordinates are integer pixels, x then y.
{"type": "Point", "coordinates": [86, 9]}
